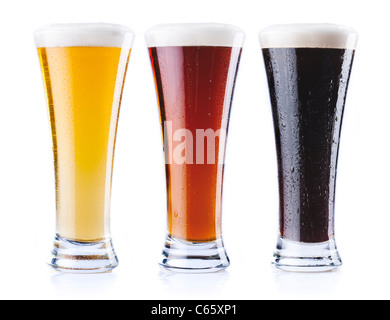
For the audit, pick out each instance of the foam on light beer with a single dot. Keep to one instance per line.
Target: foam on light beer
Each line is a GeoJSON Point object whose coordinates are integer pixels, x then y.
{"type": "Point", "coordinates": [84, 35]}
{"type": "Point", "coordinates": [308, 36]}
{"type": "Point", "coordinates": [185, 35]}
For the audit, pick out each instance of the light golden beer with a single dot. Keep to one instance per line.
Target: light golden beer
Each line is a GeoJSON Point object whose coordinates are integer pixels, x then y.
{"type": "Point", "coordinates": [84, 77]}
{"type": "Point", "coordinates": [81, 113]}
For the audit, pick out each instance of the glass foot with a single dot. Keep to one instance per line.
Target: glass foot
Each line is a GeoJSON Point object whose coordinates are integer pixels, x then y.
{"type": "Point", "coordinates": [194, 257]}
{"type": "Point", "coordinates": [306, 257]}
{"type": "Point", "coordinates": [83, 257]}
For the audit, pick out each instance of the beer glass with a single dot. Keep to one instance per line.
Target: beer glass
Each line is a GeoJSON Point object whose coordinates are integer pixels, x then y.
{"type": "Point", "coordinates": [195, 68]}
{"type": "Point", "coordinates": [308, 69]}
{"type": "Point", "coordinates": [84, 68]}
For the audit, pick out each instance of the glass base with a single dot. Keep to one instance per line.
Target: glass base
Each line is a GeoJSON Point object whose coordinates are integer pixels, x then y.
{"type": "Point", "coordinates": [306, 257]}
{"type": "Point", "coordinates": [83, 257]}
{"type": "Point", "coordinates": [194, 257]}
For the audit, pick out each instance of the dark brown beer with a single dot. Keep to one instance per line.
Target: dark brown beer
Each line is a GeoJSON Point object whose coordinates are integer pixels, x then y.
{"type": "Point", "coordinates": [308, 88]}
{"type": "Point", "coordinates": [195, 89]}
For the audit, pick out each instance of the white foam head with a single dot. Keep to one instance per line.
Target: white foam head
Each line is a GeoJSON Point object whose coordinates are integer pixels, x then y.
{"type": "Point", "coordinates": [84, 35]}
{"type": "Point", "coordinates": [195, 34]}
{"type": "Point", "coordinates": [308, 36]}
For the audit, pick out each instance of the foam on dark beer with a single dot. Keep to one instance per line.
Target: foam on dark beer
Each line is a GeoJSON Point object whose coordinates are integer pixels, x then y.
{"type": "Point", "coordinates": [330, 36]}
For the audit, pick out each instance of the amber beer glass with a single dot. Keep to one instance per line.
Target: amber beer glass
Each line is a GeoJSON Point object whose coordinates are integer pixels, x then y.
{"type": "Point", "coordinates": [84, 68]}
{"type": "Point", "coordinates": [195, 68]}
{"type": "Point", "coordinates": [308, 68]}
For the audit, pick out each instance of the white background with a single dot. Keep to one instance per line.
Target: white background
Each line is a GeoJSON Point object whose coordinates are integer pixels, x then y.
{"type": "Point", "coordinates": [27, 197]}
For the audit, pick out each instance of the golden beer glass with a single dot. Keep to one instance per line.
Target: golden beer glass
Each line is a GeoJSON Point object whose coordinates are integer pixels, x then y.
{"type": "Point", "coordinates": [84, 68]}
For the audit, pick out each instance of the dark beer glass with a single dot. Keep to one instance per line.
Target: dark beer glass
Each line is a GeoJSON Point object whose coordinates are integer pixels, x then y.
{"type": "Point", "coordinates": [308, 69]}
{"type": "Point", "coordinates": [195, 68]}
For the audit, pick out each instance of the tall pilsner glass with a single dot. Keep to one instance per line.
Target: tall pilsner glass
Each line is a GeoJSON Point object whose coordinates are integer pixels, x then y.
{"type": "Point", "coordinates": [308, 68]}
{"type": "Point", "coordinates": [195, 68]}
{"type": "Point", "coordinates": [84, 68]}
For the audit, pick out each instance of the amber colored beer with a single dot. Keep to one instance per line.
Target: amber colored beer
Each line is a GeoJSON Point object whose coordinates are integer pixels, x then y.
{"type": "Point", "coordinates": [192, 83]}
{"type": "Point", "coordinates": [81, 85]}
{"type": "Point", "coordinates": [195, 68]}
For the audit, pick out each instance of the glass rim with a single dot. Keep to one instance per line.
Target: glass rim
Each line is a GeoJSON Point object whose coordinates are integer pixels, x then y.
{"type": "Point", "coordinates": [84, 35]}
{"type": "Point", "coordinates": [308, 35]}
{"type": "Point", "coordinates": [195, 34]}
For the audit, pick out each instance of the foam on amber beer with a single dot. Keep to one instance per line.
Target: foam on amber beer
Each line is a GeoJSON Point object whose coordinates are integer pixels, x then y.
{"type": "Point", "coordinates": [193, 34]}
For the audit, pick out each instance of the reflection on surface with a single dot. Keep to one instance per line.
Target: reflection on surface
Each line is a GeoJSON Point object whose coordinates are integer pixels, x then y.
{"type": "Point", "coordinates": [306, 284]}
{"type": "Point", "coordinates": [83, 285]}
{"type": "Point", "coordinates": [200, 285]}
